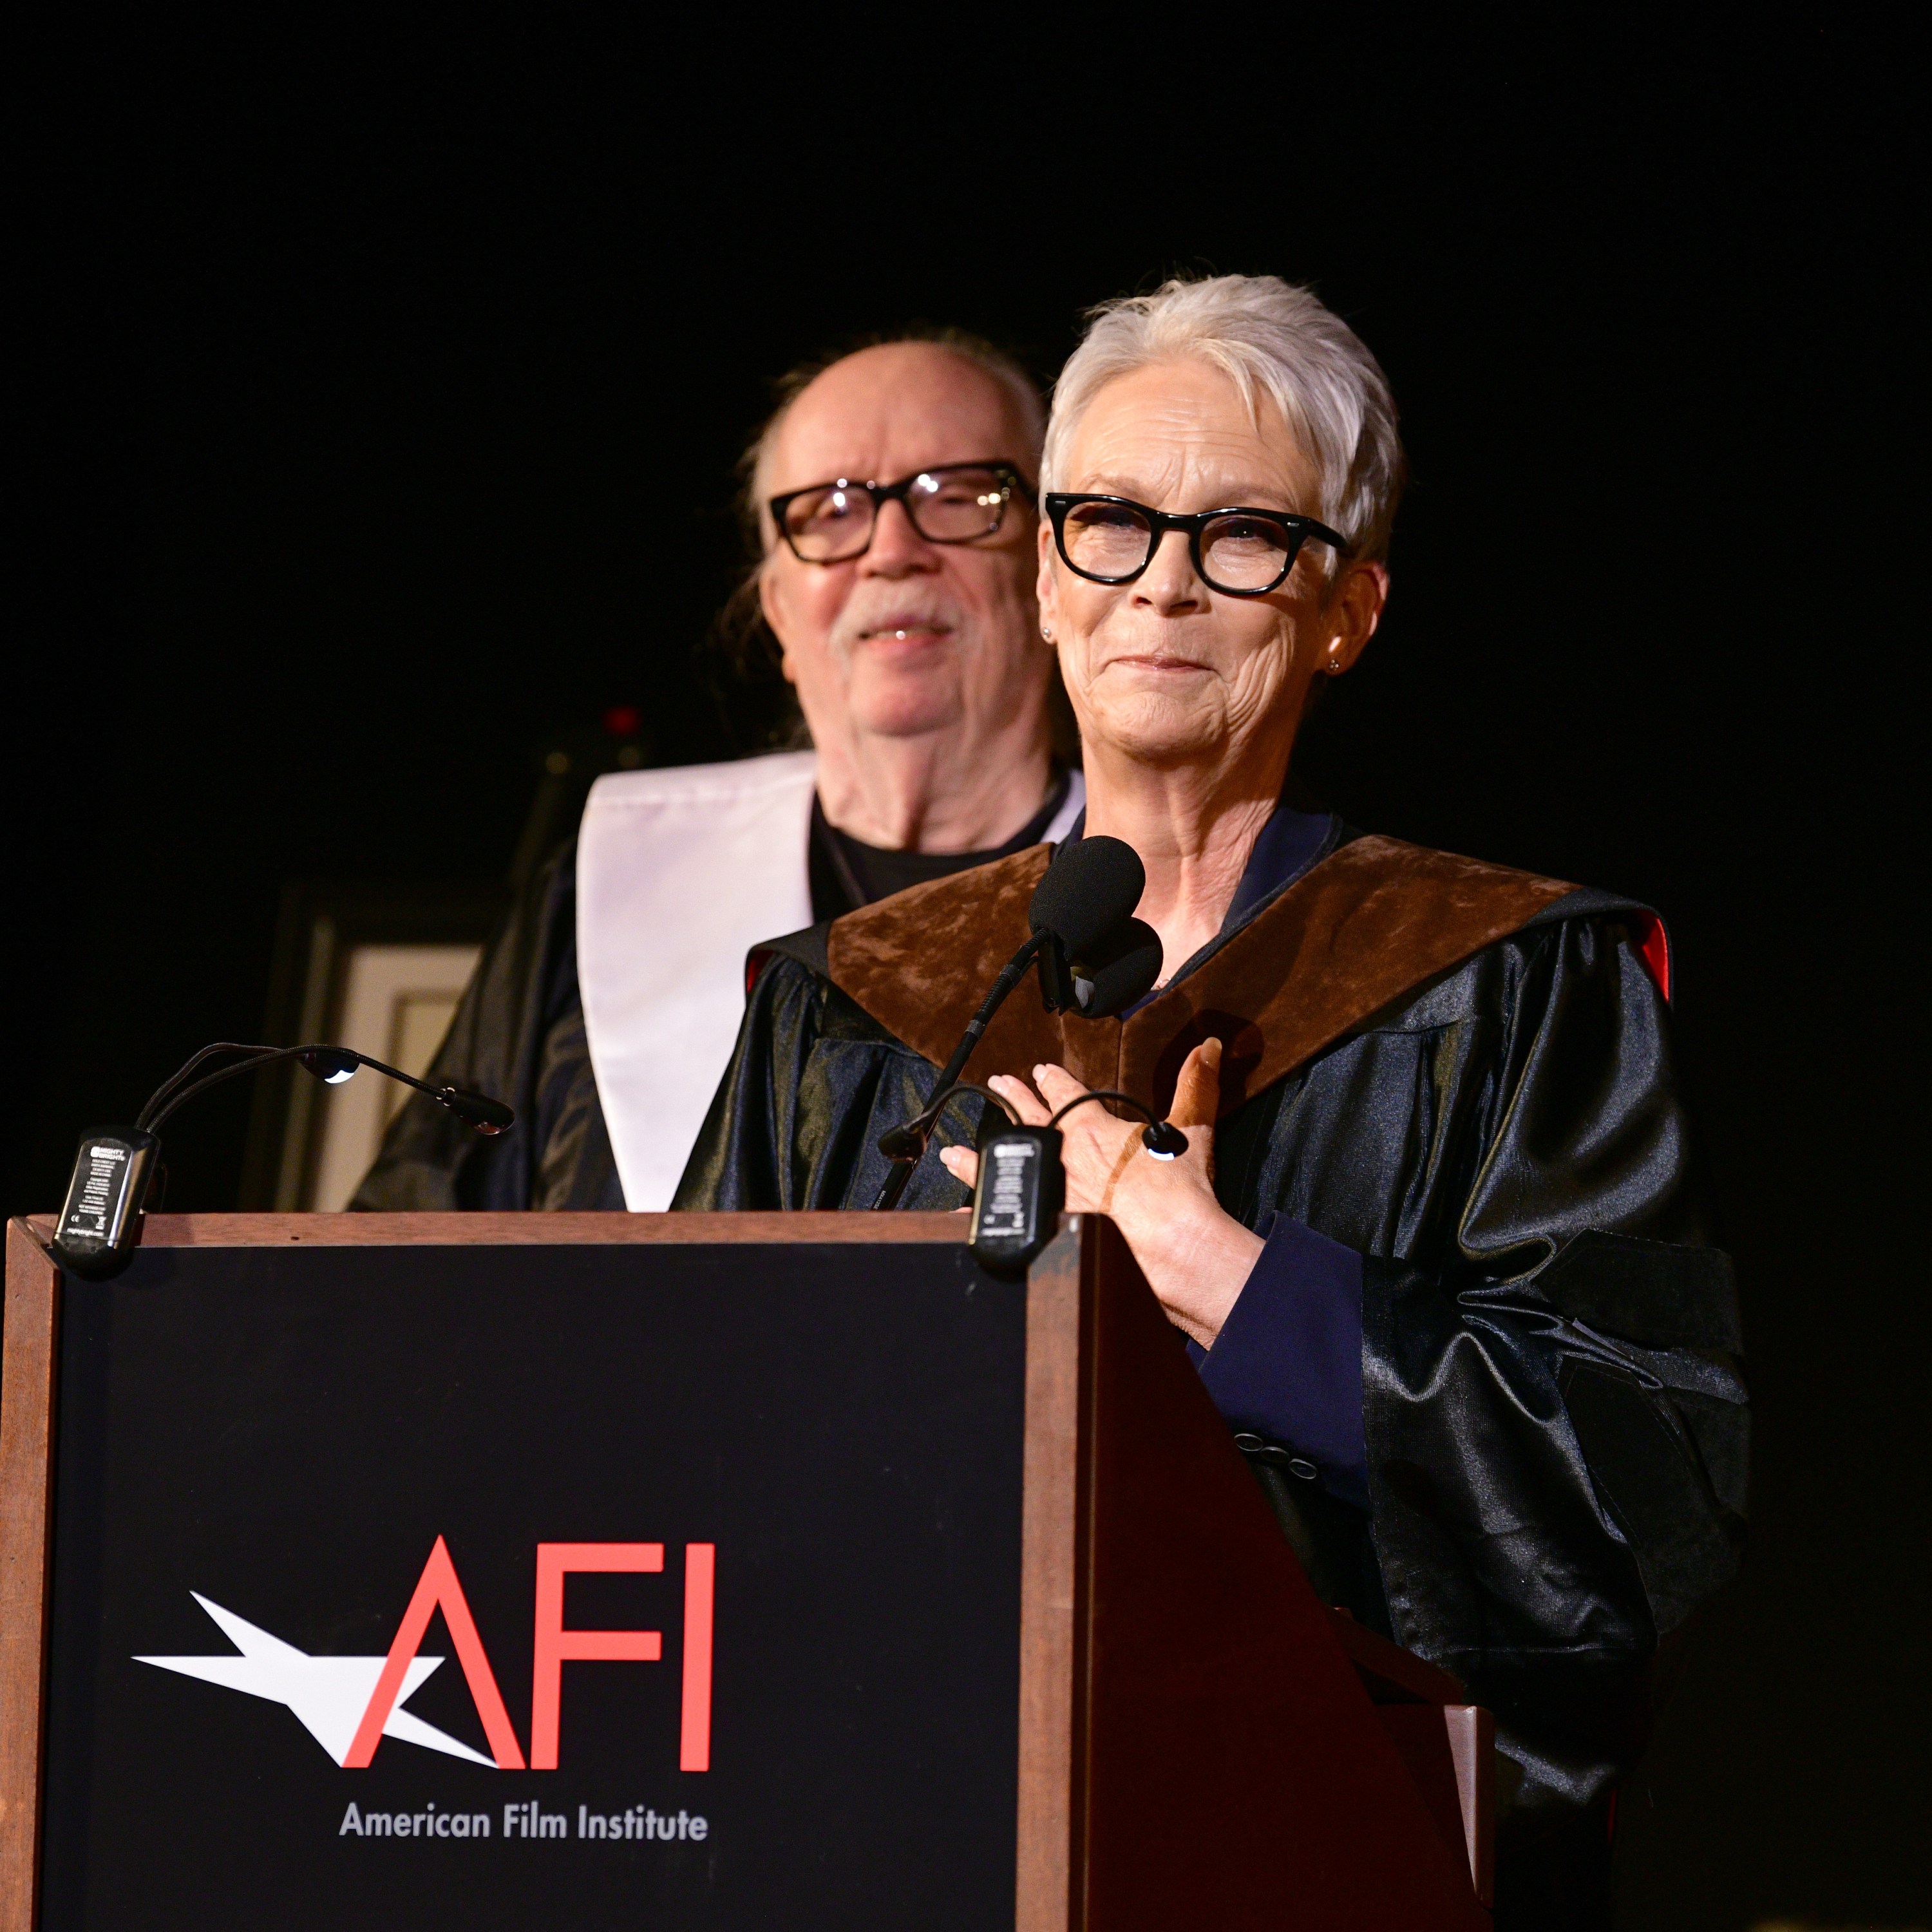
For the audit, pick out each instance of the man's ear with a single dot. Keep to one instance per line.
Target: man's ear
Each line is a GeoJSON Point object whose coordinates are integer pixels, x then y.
{"type": "Point", "coordinates": [1353, 610]}
{"type": "Point", "coordinates": [768, 603]}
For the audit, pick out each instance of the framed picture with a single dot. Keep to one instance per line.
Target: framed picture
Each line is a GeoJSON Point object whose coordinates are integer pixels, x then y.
{"type": "Point", "coordinates": [379, 965]}
{"type": "Point", "coordinates": [376, 967]}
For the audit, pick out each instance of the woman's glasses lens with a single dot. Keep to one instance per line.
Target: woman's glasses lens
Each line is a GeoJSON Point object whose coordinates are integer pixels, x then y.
{"type": "Point", "coordinates": [1107, 540]}
{"type": "Point", "coordinates": [1247, 553]}
{"type": "Point", "coordinates": [948, 505]}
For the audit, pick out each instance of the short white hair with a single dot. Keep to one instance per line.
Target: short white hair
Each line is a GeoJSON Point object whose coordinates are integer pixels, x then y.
{"type": "Point", "coordinates": [1271, 339]}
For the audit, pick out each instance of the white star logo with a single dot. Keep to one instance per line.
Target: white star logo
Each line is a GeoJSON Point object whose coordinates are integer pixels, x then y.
{"type": "Point", "coordinates": [328, 1694]}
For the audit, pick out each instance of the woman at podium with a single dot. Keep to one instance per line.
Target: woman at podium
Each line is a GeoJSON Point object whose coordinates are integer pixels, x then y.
{"type": "Point", "coordinates": [1435, 1245]}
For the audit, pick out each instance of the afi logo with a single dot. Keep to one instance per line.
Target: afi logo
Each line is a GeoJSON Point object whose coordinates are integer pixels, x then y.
{"type": "Point", "coordinates": [349, 1703]}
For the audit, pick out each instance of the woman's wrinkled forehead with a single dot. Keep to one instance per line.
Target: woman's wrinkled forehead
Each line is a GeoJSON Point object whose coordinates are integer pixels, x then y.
{"type": "Point", "coordinates": [1170, 430]}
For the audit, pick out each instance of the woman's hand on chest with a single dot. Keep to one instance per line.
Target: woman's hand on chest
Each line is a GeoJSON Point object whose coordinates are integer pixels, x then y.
{"type": "Point", "coordinates": [1196, 1256]}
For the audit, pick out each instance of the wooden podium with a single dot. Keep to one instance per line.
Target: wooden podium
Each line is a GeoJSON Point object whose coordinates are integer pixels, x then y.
{"type": "Point", "coordinates": [869, 1589]}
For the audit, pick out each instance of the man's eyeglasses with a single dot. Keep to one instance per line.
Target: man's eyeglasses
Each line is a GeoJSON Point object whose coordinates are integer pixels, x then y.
{"type": "Point", "coordinates": [1240, 553]}
{"type": "Point", "coordinates": [953, 503]}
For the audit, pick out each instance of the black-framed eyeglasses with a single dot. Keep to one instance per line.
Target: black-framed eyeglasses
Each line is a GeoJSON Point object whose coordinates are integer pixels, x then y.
{"type": "Point", "coordinates": [950, 503]}
{"type": "Point", "coordinates": [1239, 552]}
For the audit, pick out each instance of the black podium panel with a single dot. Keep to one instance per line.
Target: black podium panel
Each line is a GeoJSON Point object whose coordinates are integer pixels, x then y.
{"type": "Point", "coordinates": [259, 1450]}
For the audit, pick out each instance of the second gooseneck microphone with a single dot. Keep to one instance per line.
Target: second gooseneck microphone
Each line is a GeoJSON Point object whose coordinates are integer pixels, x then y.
{"type": "Point", "coordinates": [118, 1168]}
{"type": "Point", "coordinates": [1095, 958]}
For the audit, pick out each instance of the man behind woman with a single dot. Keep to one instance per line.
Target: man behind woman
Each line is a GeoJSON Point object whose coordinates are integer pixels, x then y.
{"type": "Point", "coordinates": [891, 499]}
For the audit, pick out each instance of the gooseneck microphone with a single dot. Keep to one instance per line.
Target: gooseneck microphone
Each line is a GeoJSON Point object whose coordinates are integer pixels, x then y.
{"type": "Point", "coordinates": [1095, 958]}
{"type": "Point", "coordinates": [117, 1167]}
{"type": "Point", "coordinates": [1088, 893]}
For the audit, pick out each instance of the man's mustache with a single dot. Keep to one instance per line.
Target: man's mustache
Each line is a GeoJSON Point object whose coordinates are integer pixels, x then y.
{"type": "Point", "coordinates": [882, 616]}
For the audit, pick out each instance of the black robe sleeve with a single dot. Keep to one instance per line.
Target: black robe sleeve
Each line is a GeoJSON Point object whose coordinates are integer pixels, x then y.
{"type": "Point", "coordinates": [1554, 1413]}
{"type": "Point", "coordinates": [517, 1036]}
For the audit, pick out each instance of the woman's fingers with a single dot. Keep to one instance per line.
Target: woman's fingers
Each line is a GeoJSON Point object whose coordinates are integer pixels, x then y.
{"type": "Point", "coordinates": [1197, 1093]}
{"type": "Point", "coordinates": [1021, 1098]}
{"type": "Point", "coordinates": [1057, 1085]}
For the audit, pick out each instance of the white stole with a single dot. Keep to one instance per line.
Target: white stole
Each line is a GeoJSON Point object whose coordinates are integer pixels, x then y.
{"type": "Point", "coordinates": [679, 873]}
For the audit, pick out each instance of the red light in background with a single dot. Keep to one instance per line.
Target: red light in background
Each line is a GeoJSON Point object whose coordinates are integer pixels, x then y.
{"type": "Point", "coordinates": [623, 721]}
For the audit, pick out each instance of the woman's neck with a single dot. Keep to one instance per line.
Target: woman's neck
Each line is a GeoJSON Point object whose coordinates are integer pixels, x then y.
{"type": "Point", "coordinates": [1194, 832]}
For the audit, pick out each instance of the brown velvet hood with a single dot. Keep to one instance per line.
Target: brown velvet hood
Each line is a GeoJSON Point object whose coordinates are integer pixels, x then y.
{"type": "Point", "coordinates": [1370, 924]}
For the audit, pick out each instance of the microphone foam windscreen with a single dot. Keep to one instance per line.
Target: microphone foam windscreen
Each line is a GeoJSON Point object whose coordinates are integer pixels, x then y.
{"type": "Point", "coordinates": [1120, 974]}
{"type": "Point", "coordinates": [1092, 886]}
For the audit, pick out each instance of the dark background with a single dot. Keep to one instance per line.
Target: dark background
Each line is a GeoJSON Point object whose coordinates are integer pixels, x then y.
{"type": "Point", "coordinates": [379, 408]}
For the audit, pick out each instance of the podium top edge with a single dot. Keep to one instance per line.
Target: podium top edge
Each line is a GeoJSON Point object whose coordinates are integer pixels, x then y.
{"type": "Point", "coordinates": [526, 1229]}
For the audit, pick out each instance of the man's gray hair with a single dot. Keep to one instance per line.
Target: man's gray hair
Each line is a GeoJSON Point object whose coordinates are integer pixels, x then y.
{"type": "Point", "coordinates": [1271, 339]}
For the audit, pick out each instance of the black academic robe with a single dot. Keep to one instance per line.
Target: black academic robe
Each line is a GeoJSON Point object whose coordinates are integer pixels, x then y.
{"type": "Point", "coordinates": [1465, 1074]}
{"type": "Point", "coordinates": [519, 1036]}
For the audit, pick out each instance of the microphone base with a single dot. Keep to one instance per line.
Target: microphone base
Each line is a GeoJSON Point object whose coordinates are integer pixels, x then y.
{"type": "Point", "coordinates": [100, 1225]}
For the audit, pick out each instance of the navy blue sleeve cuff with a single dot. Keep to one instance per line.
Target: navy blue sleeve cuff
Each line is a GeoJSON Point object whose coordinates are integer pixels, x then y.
{"type": "Point", "coordinates": [1287, 1365]}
